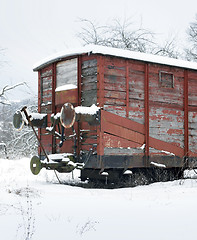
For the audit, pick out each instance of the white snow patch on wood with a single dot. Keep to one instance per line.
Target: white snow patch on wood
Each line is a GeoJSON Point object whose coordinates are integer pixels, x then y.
{"type": "Point", "coordinates": [168, 153]}
{"type": "Point", "coordinates": [65, 87]}
{"type": "Point", "coordinates": [38, 116]}
{"type": "Point", "coordinates": [143, 146]}
{"type": "Point", "coordinates": [87, 110]}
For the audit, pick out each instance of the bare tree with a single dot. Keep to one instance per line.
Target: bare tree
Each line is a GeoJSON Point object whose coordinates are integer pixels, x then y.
{"type": "Point", "coordinates": [18, 143]}
{"type": "Point", "coordinates": [191, 51]}
{"type": "Point", "coordinates": [125, 35]}
{"type": "Point", "coordinates": [118, 34]}
{"type": "Point", "coordinates": [168, 48]}
{"type": "Point", "coordinates": [3, 99]}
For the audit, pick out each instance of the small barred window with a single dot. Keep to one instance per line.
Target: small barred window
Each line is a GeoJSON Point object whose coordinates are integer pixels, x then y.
{"type": "Point", "coordinates": [166, 79]}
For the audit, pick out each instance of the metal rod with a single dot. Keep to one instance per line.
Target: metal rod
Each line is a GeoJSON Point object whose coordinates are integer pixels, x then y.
{"type": "Point", "coordinates": [29, 121]}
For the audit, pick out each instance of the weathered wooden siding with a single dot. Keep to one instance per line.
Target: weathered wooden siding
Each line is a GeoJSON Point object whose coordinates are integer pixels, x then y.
{"type": "Point", "coordinates": [114, 86]}
{"type": "Point", "coordinates": [192, 118]}
{"type": "Point", "coordinates": [123, 87]}
{"type": "Point", "coordinates": [136, 91]}
{"type": "Point", "coordinates": [88, 134]}
{"type": "Point", "coordinates": [89, 82]}
{"type": "Point", "coordinates": [45, 104]}
{"type": "Point", "coordinates": [46, 89]}
{"type": "Point", "coordinates": [166, 116]}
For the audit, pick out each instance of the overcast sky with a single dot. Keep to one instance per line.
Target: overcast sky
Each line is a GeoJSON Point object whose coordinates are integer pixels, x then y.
{"type": "Point", "coordinates": [31, 30]}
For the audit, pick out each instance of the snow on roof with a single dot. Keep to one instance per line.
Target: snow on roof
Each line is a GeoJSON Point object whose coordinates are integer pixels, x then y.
{"type": "Point", "coordinates": [96, 49]}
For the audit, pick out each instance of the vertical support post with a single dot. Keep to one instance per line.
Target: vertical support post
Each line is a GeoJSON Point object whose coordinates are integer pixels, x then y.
{"type": "Point", "coordinates": [100, 81]}
{"type": "Point", "coordinates": [79, 73]}
{"type": "Point", "coordinates": [79, 80]}
{"type": "Point", "coordinates": [53, 87]}
{"type": "Point", "coordinates": [39, 107]}
{"type": "Point", "coordinates": [146, 110]}
{"type": "Point", "coordinates": [39, 91]}
{"type": "Point", "coordinates": [53, 102]}
{"type": "Point", "coordinates": [127, 88]}
{"type": "Point", "coordinates": [186, 131]}
{"type": "Point", "coordinates": [100, 102]}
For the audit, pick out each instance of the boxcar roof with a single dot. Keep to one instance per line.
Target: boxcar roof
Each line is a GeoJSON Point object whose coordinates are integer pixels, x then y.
{"type": "Point", "coordinates": [95, 49]}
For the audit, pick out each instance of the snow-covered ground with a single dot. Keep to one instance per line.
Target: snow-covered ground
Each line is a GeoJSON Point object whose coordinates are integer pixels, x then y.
{"type": "Point", "coordinates": [38, 208]}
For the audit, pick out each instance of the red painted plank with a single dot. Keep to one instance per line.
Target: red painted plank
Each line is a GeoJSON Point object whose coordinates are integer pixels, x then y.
{"type": "Point", "coordinates": [123, 132]}
{"type": "Point", "coordinates": [134, 127]}
{"type": "Point", "coordinates": [169, 147]}
{"type": "Point", "coordinates": [111, 141]}
{"type": "Point", "coordinates": [117, 120]}
{"type": "Point", "coordinates": [70, 96]}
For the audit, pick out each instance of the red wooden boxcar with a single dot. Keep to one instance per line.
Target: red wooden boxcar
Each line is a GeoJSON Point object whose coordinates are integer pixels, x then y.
{"type": "Point", "coordinates": [147, 109]}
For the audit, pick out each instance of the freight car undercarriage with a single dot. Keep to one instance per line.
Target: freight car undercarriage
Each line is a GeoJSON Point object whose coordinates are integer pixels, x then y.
{"type": "Point", "coordinates": [132, 169]}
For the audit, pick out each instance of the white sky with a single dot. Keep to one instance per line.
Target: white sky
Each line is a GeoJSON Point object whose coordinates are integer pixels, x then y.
{"type": "Point", "coordinates": [33, 29]}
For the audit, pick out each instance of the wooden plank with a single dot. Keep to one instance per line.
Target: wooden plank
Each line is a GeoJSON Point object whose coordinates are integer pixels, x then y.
{"type": "Point", "coordinates": [88, 98]}
{"type": "Point", "coordinates": [119, 87]}
{"type": "Point", "coordinates": [120, 121]}
{"type": "Point", "coordinates": [47, 71]}
{"type": "Point", "coordinates": [87, 64]}
{"type": "Point", "coordinates": [114, 101]}
{"type": "Point", "coordinates": [114, 94]}
{"type": "Point", "coordinates": [133, 128]}
{"type": "Point", "coordinates": [123, 132]}
{"type": "Point", "coordinates": [169, 147]}
{"type": "Point", "coordinates": [111, 141]}
{"type": "Point", "coordinates": [70, 96]}
{"type": "Point", "coordinates": [113, 79]}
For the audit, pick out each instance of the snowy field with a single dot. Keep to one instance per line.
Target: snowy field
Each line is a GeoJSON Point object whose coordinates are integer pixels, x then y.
{"type": "Point", "coordinates": [38, 208]}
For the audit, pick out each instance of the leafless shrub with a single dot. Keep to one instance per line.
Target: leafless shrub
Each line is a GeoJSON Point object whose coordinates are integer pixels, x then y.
{"type": "Point", "coordinates": [86, 227]}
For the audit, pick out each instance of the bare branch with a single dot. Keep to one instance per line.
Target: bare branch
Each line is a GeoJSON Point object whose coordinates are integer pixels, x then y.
{"type": "Point", "coordinates": [6, 89]}
{"type": "Point", "coordinates": [124, 34]}
{"type": "Point", "coordinates": [191, 50]}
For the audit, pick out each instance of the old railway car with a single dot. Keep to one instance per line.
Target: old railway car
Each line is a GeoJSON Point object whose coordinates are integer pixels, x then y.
{"type": "Point", "coordinates": [144, 108]}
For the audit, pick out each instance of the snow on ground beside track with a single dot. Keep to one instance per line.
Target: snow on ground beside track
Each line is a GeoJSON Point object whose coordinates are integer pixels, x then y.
{"type": "Point", "coordinates": [38, 208]}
